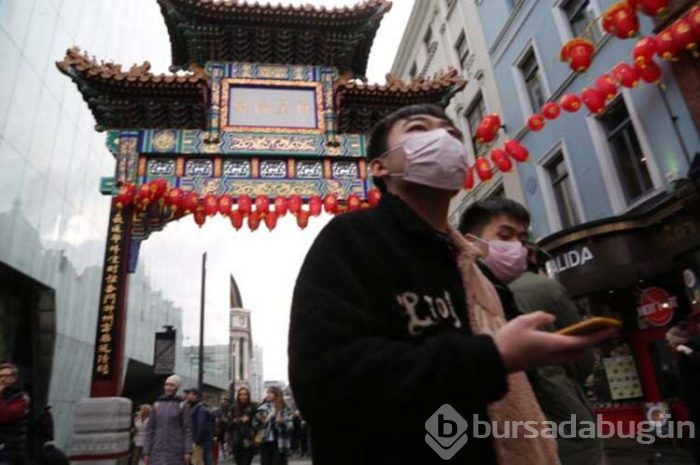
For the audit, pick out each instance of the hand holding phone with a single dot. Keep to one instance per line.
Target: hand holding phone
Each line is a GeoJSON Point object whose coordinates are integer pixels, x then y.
{"type": "Point", "coordinates": [591, 325]}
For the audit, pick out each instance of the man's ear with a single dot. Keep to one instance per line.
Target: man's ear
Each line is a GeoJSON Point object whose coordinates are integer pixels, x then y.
{"type": "Point", "coordinates": [377, 168]}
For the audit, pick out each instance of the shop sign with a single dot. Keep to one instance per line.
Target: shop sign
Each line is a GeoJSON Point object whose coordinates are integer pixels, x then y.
{"type": "Point", "coordinates": [657, 306]}
{"type": "Point", "coordinates": [569, 260]}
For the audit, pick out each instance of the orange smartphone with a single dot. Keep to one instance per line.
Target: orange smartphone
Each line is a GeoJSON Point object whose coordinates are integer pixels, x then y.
{"type": "Point", "coordinates": [590, 326]}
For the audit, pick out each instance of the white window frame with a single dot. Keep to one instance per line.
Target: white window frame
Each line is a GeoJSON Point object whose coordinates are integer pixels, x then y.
{"type": "Point", "coordinates": [456, 52]}
{"type": "Point", "coordinates": [562, 21]}
{"type": "Point", "coordinates": [519, 80]}
{"type": "Point", "coordinates": [550, 202]}
{"type": "Point", "coordinates": [611, 176]}
{"type": "Point", "coordinates": [470, 105]}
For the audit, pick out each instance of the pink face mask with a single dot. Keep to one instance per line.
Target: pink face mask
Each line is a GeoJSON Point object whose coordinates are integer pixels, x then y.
{"type": "Point", "coordinates": [507, 259]}
{"type": "Point", "coordinates": [433, 158]}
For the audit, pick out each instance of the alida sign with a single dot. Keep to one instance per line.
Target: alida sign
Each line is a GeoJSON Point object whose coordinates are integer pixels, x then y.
{"type": "Point", "coordinates": [657, 306]}
{"type": "Point", "coordinates": [569, 260]}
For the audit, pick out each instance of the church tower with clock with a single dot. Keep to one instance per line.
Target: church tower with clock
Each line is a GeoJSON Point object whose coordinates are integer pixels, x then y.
{"type": "Point", "coordinates": [240, 341]}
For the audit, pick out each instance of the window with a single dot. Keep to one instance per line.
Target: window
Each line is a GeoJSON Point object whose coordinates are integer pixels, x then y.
{"type": "Point", "coordinates": [450, 3]}
{"type": "Point", "coordinates": [475, 114]}
{"type": "Point", "coordinates": [462, 49]}
{"type": "Point", "coordinates": [427, 38]}
{"type": "Point", "coordinates": [562, 191]}
{"type": "Point", "coordinates": [413, 71]}
{"type": "Point", "coordinates": [531, 75]}
{"type": "Point", "coordinates": [498, 193]}
{"type": "Point", "coordinates": [631, 164]}
{"type": "Point", "coordinates": [582, 19]}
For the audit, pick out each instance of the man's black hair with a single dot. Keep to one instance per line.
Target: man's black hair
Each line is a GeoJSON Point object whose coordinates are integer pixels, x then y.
{"type": "Point", "coordinates": [480, 213]}
{"type": "Point", "coordinates": [378, 137]}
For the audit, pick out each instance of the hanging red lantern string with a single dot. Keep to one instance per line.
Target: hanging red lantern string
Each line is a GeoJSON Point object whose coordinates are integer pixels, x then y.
{"type": "Point", "coordinates": [649, 72]}
{"type": "Point", "coordinates": [294, 203]}
{"type": "Point", "coordinates": [516, 150]}
{"type": "Point", "coordinates": [330, 204]}
{"type": "Point", "coordinates": [144, 196]}
{"type": "Point", "coordinates": [190, 202]}
{"type": "Point", "coordinates": [199, 216]}
{"type": "Point", "coordinates": [125, 196]}
{"type": "Point", "coordinates": [650, 7]}
{"type": "Point", "coordinates": [488, 128]}
{"type": "Point", "coordinates": [693, 17]}
{"type": "Point", "coordinates": [536, 122]}
{"type": "Point", "coordinates": [253, 220]}
{"type": "Point", "coordinates": [353, 203]}
{"type": "Point", "coordinates": [225, 204]}
{"type": "Point", "coordinates": [262, 204]}
{"type": "Point", "coordinates": [551, 110]}
{"type": "Point", "coordinates": [469, 180]}
{"type": "Point", "coordinates": [483, 168]}
{"type": "Point", "coordinates": [211, 205]}
{"type": "Point", "coordinates": [578, 53]}
{"type": "Point", "coordinates": [280, 205]}
{"type": "Point", "coordinates": [683, 35]}
{"type": "Point", "coordinates": [245, 204]}
{"type": "Point", "coordinates": [302, 219]}
{"type": "Point", "coordinates": [501, 160]}
{"type": "Point", "coordinates": [159, 187]}
{"type": "Point", "coordinates": [607, 86]}
{"type": "Point", "coordinates": [594, 100]}
{"type": "Point", "coordinates": [570, 103]}
{"type": "Point", "coordinates": [271, 220]}
{"type": "Point", "coordinates": [666, 47]}
{"type": "Point", "coordinates": [373, 197]}
{"type": "Point", "coordinates": [621, 20]}
{"type": "Point", "coordinates": [644, 50]}
{"type": "Point", "coordinates": [315, 205]}
{"type": "Point", "coordinates": [236, 219]}
{"type": "Point", "coordinates": [626, 75]}
{"type": "Point", "coordinates": [174, 198]}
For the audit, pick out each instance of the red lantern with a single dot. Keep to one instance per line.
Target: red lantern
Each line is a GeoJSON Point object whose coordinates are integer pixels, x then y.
{"type": "Point", "coordinates": [271, 220]}
{"type": "Point", "coordinates": [578, 52]}
{"type": "Point", "coordinates": [262, 204]}
{"type": "Point", "coordinates": [199, 217]}
{"type": "Point", "coordinates": [516, 150]}
{"type": "Point", "coordinates": [211, 204]}
{"type": "Point", "coordinates": [683, 35]}
{"type": "Point", "coordinates": [190, 202]}
{"type": "Point", "coordinates": [483, 168]}
{"type": "Point", "coordinates": [330, 204]}
{"type": "Point", "coordinates": [353, 202]}
{"type": "Point", "coordinates": [158, 188]}
{"type": "Point", "coordinates": [236, 219]}
{"type": "Point", "coordinates": [666, 47]}
{"type": "Point", "coordinates": [488, 128]}
{"type": "Point", "coordinates": [373, 197]}
{"type": "Point", "coordinates": [621, 20]}
{"type": "Point", "coordinates": [315, 205]}
{"type": "Point", "coordinates": [649, 72]}
{"type": "Point", "coordinates": [125, 197]}
{"type": "Point", "coordinates": [693, 18]}
{"type": "Point", "coordinates": [280, 205]}
{"type": "Point", "coordinates": [607, 86]}
{"type": "Point", "coordinates": [294, 203]}
{"type": "Point", "coordinates": [551, 110]}
{"type": "Point", "coordinates": [245, 204]}
{"type": "Point", "coordinates": [469, 180]}
{"type": "Point", "coordinates": [225, 204]}
{"type": "Point", "coordinates": [501, 160]}
{"type": "Point", "coordinates": [302, 219]}
{"type": "Point", "coordinates": [626, 75]}
{"type": "Point", "coordinates": [644, 50]}
{"type": "Point", "coordinates": [174, 198]}
{"type": "Point", "coordinates": [145, 195]}
{"type": "Point", "coordinates": [253, 220]}
{"type": "Point", "coordinates": [570, 102]}
{"type": "Point", "coordinates": [652, 7]}
{"type": "Point", "coordinates": [536, 122]}
{"type": "Point", "coordinates": [594, 100]}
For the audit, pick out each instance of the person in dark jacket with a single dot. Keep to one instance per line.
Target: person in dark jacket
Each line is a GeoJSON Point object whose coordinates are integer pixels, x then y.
{"type": "Point", "coordinates": [202, 433]}
{"type": "Point", "coordinates": [51, 455]}
{"type": "Point", "coordinates": [14, 417]}
{"type": "Point", "coordinates": [44, 427]}
{"type": "Point", "coordinates": [687, 350]}
{"type": "Point", "coordinates": [503, 224]}
{"type": "Point", "coordinates": [243, 432]}
{"type": "Point", "coordinates": [168, 438]}
{"type": "Point", "coordinates": [379, 338]}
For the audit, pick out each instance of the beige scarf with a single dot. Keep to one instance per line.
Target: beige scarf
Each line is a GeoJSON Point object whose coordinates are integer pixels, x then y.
{"type": "Point", "coordinates": [519, 404]}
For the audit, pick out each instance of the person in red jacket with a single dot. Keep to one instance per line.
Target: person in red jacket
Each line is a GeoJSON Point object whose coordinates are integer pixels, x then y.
{"type": "Point", "coordinates": [14, 417]}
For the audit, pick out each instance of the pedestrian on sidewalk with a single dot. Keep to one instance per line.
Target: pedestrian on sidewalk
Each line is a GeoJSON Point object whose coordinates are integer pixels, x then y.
{"type": "Point", "coordinates": [168, 439]}
{"type": "Point", "coordinates": [14, 417]}
{"type": "Point", "coordinates": [202, 424]}
{"type": "Point", "coordinates": [687, 350]}
{"type": "Point", "coordinates": [139, 431]}
{"type": "Point", "coordinates": [243, 432]}
{"type": "Point", "coordinates": [379, 335]}
{"type": "Point", "coordinates": [511, 266]}
{"type": "Point", "coordinates": [273, 423]}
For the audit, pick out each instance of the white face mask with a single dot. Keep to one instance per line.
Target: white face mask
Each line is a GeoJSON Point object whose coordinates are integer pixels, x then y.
{"type": "Point", "coordinates": [433, 158]}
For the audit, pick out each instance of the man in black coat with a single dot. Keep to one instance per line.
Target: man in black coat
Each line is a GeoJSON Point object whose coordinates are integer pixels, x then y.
{"type": "Point", "coordinates": [379, 336]}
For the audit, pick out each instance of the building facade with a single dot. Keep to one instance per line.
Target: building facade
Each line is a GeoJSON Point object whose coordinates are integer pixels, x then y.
{"type": "Point", "coordinates": [240, 341]}
{"type": "Point", "coordinates": [448, 34]}
{"type": "Point", "coordinates": [256, 374]}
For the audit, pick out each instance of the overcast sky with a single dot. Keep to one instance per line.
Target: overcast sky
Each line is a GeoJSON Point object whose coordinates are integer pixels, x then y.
{"type": "Point", "coordinates": [265, 264]}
